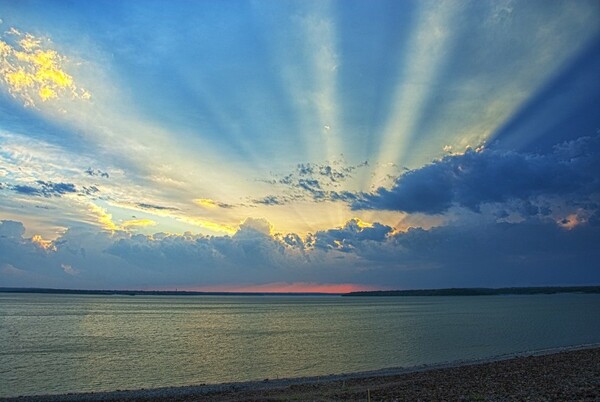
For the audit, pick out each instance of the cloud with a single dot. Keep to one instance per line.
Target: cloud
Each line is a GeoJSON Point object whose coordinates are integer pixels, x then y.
{"type": "Point", "coordinates": [42, 243]}
{"type": "Point", "coordinates": [537, 251]}
{"type": "Point", "coordinates": [49, 188]}
{"type": "Point", "coordinates": [102, 217]}
{"type": "Point", "coordinates": [486, 176]}
{"type": "Point", "coordinates": [69, 269]}
{"type": "Point", "coordinates": [255, 225]}
{"type": "Point", "coordinates": [26, 264]}
{"type": "Point", "coordinates": [250, 255]}
{"type": "Point", "coordinates": [208, 203]}
{"type": "Point", "coordinates": [56, 168]}
{"type": "Point", "coordinates": [332, 173]}
{"type": "Point", "coordinates": [208, 224]}
{"type": "Point", "coordinates": [311, 181]}
{"type": "Point", "coordinates": [97, 172]}
{"type": "Point", "coordinates": [351, 236]}
{"type": "Point", "coordinates": [106, 222]}
{"type": "Point", "coordinates": [27, 190]}
{"type": "Point", "coordinates": [32, 72]}
{"type": "Point", "coordinates": [139, 223]}
{"type": "Point", "coordinates": [11, 229]}
{"type": "Point", "coordinates": [45, 189]}
{"type": "Point", "coordinates": [522, 181]}
{"type": "Point", "coordinates": [271, 200]}
{"type": "Point", "coordinates": [156, 207]}
{"type": "Point", "coordinates": [90, 190]}
{"type": "Point", "coordinates": [502, 253]}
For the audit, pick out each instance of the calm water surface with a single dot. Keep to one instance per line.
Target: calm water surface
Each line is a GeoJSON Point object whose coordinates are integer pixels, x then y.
{"type": "Point", "coordinates": [69, 343]}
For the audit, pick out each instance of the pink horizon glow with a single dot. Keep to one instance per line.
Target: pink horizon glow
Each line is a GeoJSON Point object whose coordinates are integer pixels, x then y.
{"type": "Point", "coordinates": [284, 287]}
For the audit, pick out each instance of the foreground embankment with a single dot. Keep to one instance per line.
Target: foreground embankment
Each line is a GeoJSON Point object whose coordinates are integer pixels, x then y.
{"type": "Point", "coordinates": [570, 375]}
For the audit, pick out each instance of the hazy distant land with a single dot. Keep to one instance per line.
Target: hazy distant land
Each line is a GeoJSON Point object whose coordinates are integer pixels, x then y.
{"type": "Point", "coordinates": [414, 292]}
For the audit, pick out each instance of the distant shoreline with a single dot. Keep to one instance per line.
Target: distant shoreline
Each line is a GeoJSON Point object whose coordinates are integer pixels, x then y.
{"type": "Point", "coordinates": [376, 293]}
{"type": "Point", "coordinates": [540, 372]}
{"type": "Point", "coordinates": [155, 292]}
{"type": "Point", "coordinates": [531, 290]}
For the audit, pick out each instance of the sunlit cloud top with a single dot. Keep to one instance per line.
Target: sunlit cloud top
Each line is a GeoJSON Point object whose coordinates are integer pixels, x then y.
{"type": "Point", "coordinates": [32, 72]}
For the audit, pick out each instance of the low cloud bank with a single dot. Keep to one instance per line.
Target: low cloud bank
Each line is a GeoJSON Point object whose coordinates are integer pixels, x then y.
{"type": "Point", "coordinates": [536, 251]}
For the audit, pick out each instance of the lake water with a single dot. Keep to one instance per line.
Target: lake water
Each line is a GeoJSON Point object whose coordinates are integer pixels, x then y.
{"type": "Point", "coordinates": [69, 343]}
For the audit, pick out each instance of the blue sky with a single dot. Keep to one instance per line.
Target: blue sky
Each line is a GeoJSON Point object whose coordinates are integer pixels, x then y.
{"type": "Point", "coordinates": [299, 144]}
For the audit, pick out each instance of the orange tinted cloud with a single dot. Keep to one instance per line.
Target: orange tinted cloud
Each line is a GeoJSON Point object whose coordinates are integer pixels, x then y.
{"type": "Point", "coordinates": [42, 243]}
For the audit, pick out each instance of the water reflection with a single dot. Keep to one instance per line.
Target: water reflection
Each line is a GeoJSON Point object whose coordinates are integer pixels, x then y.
{"type": "Point", "coordinates": [56, 343]}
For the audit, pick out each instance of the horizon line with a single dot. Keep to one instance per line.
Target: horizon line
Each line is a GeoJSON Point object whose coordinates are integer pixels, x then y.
{"type": "Point", "coordinates": [175, 292]}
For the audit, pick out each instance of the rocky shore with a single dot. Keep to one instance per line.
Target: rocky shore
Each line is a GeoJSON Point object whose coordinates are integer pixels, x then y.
{"type": "Point", "coordinates": [572, 375]}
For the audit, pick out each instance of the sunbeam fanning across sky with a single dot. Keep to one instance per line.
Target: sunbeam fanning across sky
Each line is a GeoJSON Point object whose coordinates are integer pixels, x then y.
{"type": "Point", "coordinates": [299, 144]}
{"type": "Point", "coordinates": [423, 57]}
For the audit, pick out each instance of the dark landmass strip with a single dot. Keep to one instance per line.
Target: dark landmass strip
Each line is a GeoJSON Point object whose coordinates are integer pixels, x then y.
{"type": "Point", "coordinates": [152, 292]}
{"type": "Point", "coordinates": [572, 375]}
{"type": "Point", "coordinates": [416, 292]}
{"type": "Point", "coordinates": [480, 291]}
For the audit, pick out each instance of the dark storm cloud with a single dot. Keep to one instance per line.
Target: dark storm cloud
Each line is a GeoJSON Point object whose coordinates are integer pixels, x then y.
{"type": "Point", "coordinates": [571, 171]}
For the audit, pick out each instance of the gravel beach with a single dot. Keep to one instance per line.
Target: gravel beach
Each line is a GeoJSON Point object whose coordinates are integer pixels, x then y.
{"type": "Point", "coordinates": [571, 375]}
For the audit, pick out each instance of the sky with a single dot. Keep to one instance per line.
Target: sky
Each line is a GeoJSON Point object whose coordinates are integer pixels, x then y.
{"type": "Point", "coordinates": [299, 145]}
